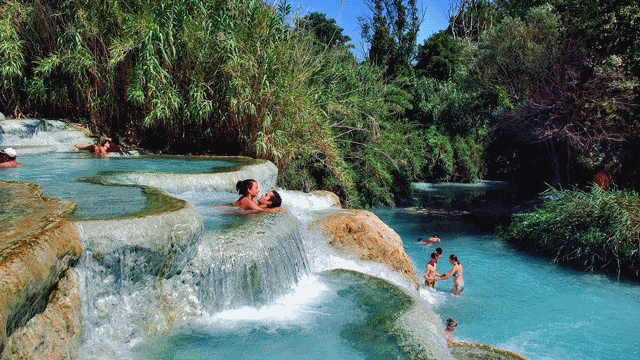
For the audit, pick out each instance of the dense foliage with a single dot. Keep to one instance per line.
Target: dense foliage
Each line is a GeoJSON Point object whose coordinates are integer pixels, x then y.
{"type": "Point", "coordinates": [597, 230]}
{"type": "Point", "coordinates": [529, 91]}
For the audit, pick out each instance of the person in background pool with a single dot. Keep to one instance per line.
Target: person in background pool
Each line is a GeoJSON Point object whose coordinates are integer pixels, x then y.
{"type": "Point", "coordinates": [8, 158]}
{"type": "Point", "coordinates": [107, 146]}
{"type": "Point", "coordinates": [450, 328]}
{"type": "Point", "coordinates": [430, 272]}
{"type": "Point", "coordinates": [439, 252]}
{"type": "Point", "coordinates": [249, 190]}
{"type": "Point", "coordinates": [456, 272]}
{"type": "Point", "coordinates": [430, 241]}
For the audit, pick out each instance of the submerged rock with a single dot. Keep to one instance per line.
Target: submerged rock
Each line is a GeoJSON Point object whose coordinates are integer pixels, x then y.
{"type": "Point", "coordinates": [37, 247]}
{"type": "Point", "coordinates": [362, 234]}
{"type": "Point", "coordinates": [475, 351]}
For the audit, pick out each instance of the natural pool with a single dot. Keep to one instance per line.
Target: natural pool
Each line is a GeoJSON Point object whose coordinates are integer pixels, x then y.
{"type": "Point", "coordinates": [70, 176]}
{"type": "Point", "coordinates": [515, 302]}
{"type": "Point", "coordinates": [511, 301]}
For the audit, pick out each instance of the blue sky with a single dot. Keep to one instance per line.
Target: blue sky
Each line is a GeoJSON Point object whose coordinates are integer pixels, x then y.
{"type": "Point", "coordinates": [346, 13]}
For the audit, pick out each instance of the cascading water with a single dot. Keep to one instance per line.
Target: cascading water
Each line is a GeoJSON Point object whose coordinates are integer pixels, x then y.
{"type": "Point", "coordinates": [161, 273]}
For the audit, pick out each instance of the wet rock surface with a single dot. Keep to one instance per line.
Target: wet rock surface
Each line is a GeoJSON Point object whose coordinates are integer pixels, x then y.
{"type": "Point", "coordinates": [37, 246]}
{"type": "Point", "coordinates": [475, 351]}
{"type": "Point", "coordinates": [364, 235]}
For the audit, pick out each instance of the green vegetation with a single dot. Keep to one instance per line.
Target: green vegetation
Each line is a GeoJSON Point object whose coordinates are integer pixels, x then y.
{"type": "Point", "coordinates": [528, 91]}
{"type": "Point", "coordinates": [595, 231]}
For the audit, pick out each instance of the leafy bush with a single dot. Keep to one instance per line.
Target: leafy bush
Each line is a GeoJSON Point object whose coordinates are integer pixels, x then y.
{"type": "Point", "coordinates": [594, 231]}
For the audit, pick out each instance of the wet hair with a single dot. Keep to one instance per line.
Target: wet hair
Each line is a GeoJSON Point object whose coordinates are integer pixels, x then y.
{"type": "Point", "coordinates": [243, 186]}
{"type": "Point", "coordinates": [276, 200]}
{"type": "Point", "coordinates": [439, 251]}
{"type": "Point", "coordinates": [434, 255]}
{"type": "Point", "coordinates": [454, 258]}
{"type": "Point", "coordinates": [451, 324]}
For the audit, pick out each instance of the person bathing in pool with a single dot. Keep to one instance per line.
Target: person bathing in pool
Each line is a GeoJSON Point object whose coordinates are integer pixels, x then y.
{"type": "Point", "coordinates": [456, 274]}
{"type": "Point", "coordinates": [249, 190]}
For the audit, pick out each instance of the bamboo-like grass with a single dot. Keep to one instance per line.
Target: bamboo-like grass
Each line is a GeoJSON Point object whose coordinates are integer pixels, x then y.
{"type": "Point", "coordinates": [595, 231]}
{"type": "Point", "coordinates": [234, 77]}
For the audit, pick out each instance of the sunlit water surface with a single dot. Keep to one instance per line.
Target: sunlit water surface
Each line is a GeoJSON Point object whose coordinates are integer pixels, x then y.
{"type": "Point", "coordinates": [68, 176]}
{"type": "Point", "coordinates": [511, 301]}
{"type": "Point", "coordinates": [515, 302]}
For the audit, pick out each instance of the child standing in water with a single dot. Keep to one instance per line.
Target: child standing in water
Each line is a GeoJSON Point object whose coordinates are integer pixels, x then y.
{"type": "Point", "coordinates": [451, 327]}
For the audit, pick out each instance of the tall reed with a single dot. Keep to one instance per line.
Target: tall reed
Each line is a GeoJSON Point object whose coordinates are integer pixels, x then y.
{"type": "Point", "coordinates": [594, 231]}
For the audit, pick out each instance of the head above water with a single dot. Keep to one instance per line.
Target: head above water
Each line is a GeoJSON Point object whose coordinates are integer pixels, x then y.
{"type": "Point", "coordinates": [454, 259]}
{"type": "Point", "coordinates": [276, 200]}
{"type": "Point", "coordinates": [439, 251]}
{"type": "Point", "coordinates": [434, 256]}
{"type": "Point", "coordinates": [243, 186]}
{"type": "Point", "coordinates": [10, 152]}
{"type": "Point", "coordinates": [272, 199]}
{"type": "Point", "coordinates": [451, 324]}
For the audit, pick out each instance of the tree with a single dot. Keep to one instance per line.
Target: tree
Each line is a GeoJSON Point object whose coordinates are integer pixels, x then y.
{"type": "Point", "coordinates": [438, 56]}
{"type": "Point", "coordinates": [326, 30]}
{"type": "Point", "coordinates": [469, 18]}
{"type": "Point", "coordinates": [576, 107]}
{"type": "Point", "coordinates": [392, 34]}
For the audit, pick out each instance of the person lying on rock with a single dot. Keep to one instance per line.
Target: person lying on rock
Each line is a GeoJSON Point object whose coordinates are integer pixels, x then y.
{"type": "Point", "coordinates": [8, 158]}
{"type": "Point", "coordinates": [249, 190]}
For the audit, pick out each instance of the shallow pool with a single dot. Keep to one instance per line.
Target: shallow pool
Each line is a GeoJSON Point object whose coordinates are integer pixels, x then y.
{"type": "Point", "coordinates": [519, 303]}
{"type": "Point", "coordinates": [72, 176]}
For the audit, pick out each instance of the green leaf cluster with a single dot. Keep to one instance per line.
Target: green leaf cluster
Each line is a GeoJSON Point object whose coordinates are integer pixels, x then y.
{"type": "Point", "coordinates": [595, 231]}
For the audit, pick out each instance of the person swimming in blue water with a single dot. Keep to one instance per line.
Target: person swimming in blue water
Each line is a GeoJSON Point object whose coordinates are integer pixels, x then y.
{"type": "Point", "coordinates": [456, 273]}
{"type": "Point", "coordinates": [430, 241]}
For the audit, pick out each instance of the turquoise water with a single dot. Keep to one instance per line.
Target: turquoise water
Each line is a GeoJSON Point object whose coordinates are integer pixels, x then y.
{"type": "Point", "coordinates": [511, 301]}
{"type": "Point", "coordinates": [333, 315]}
{"type": "Point", "coordinates": [60, 176]}
{"type": "Point", "coordinates": [519, 303]}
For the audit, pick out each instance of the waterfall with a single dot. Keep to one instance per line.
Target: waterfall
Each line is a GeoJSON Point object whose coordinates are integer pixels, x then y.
{"type": "Point", "coordinates": [146, 274]}
{"type": "Point", "coordinates": [248, 266]}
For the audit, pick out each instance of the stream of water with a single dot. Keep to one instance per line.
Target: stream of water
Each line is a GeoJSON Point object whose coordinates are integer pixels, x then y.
{"type": "Point", "coordinates": [301, 303]}
{"type": "Point", "coordinates": [516, 302]}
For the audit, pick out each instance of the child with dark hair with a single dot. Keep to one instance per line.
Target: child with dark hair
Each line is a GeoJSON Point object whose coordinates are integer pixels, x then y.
{"type": "Point", "coordinates": [450, 328]}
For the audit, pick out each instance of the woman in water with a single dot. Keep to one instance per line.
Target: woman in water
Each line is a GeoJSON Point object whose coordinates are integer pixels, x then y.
{"type": "Point", "coordinates": [456, 274]}
{"type": "Point", "coordinates": [249, 190]}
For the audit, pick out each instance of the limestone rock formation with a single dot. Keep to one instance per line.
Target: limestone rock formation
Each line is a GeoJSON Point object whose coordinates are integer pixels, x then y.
{"type": "Point", "coordinates": [472, 351]}
{"type": "Point", "coordinates": [56, 332]}
{"type": "Point", "coordinates": [364, 235]}
{"type": "Point", "coordinates": [334, 198]}
{"type": "Point", "coordinates": [37, 246]}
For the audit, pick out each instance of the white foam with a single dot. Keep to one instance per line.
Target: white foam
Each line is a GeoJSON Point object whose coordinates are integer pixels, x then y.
{"type": "Point", "coordinates": [293, 307]}
{"type": "Point", "coordinates": [433, 298]}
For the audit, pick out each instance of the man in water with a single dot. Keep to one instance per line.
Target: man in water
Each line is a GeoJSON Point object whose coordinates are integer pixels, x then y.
{"type": "Point", "coordinates": [430, 241]}
{"type": "Point", "coordinates": [431, 271]}
{"type": "Point", "coordinates": [8, 158]}
{"type": "Point", "coordinates": [270, 200]}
